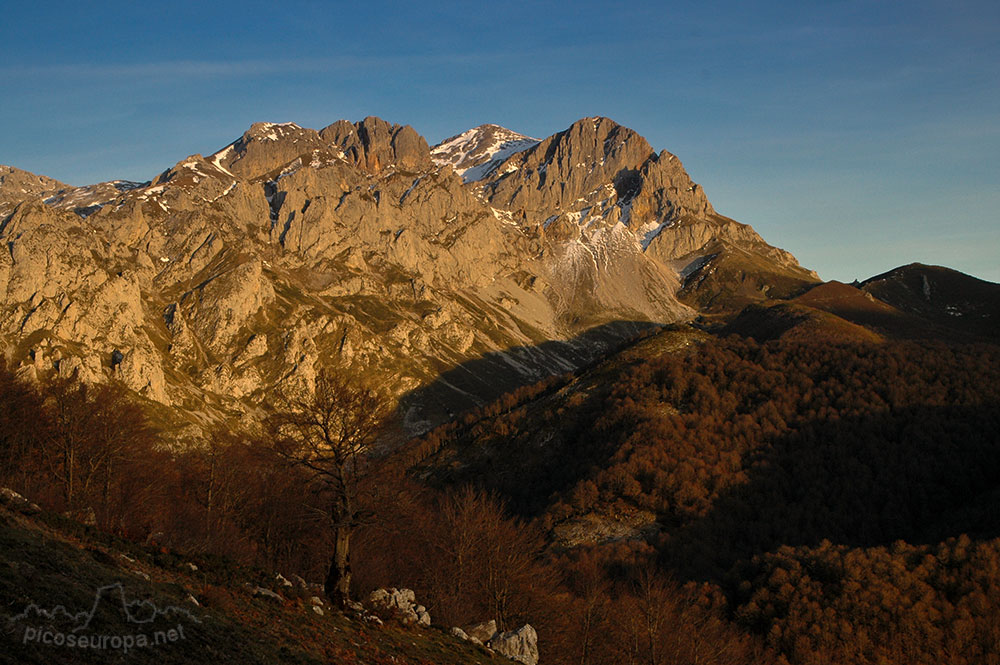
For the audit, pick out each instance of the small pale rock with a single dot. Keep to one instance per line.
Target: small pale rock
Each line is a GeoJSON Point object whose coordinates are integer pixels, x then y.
{"type": "Point", "coordinates": [261, 592]}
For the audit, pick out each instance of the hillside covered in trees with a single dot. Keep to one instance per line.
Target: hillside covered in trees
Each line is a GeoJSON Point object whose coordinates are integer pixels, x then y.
{"type": "Point", "coordinates": [690, 499]}
{"type": "Point", "coordinates": [841, 497]}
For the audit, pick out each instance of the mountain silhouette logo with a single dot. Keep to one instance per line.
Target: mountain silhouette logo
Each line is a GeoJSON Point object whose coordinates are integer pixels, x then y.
{"type": "Point", "coordinates": [112, 596]}
{"type": "Point", "coordinates": [111, 622]}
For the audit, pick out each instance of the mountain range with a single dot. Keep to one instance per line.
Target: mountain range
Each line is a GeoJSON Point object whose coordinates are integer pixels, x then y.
{"type": "Point", "coordinates": [449, 274]}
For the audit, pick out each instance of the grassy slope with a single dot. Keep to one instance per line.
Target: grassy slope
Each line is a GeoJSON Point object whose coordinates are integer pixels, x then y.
{"type": "Point", "coordinates": [50, 561]}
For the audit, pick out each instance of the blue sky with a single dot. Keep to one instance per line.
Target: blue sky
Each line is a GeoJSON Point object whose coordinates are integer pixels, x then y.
{"type": "Point", "coordinates": [858, 135]}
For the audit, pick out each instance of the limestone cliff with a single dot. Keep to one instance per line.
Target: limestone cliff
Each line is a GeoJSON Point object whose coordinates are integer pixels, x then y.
{"type": "Point", "coordinates": [357, 246]}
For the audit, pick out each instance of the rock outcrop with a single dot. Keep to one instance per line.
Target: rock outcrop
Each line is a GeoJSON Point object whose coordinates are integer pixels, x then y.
{"type": "Point", "coordinates": [400, 604]}
{"type": "Point", "coordinates": [520, 645]}
{"type": "Point", "coordinates": [17, 503]}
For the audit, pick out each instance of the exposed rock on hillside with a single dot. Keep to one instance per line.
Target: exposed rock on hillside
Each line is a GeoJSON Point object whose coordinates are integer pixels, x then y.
{"type": "Point", "coordinates": [402, 604]}
{"type": "Point", "coordinates": [520, 645]}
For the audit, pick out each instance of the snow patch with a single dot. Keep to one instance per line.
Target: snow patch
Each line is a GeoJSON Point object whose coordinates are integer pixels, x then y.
{"type": "Point", "coordinates": [647, 232]}
{"type": "Point", "coordinates": [228, 189]}
{"type": "Point", "coordinates": [276, 130]}
{"type": "Point", "coordinates": [498, 154]}
{"type": "Point", "coordinates": [485, 147]}
{"type": "Point", "coordinates": [505, 216]}
{"type": "Point", "coordinates": [217, 158]}
{"type": "Point", "coordinates": [407, 192]}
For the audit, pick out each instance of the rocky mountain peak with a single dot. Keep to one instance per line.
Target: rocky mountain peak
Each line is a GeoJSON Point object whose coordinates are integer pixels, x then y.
{"type": "Point", "coordinates": [601, 139]}
{"type": "Point", "coordinates": [271, 131]}
{"type": "Point", "coordinates": [12, 177]}
{"type": "Point", "coordinates": [594, 160]}
{"type": "Point", "coordinates": [264, 147]}
{"type": "Point", "coordinates": [375, 144]}
{"type": "Point", "coordinates": [18, 185]}
{"type": "Point", "coordinates": [475, 153]}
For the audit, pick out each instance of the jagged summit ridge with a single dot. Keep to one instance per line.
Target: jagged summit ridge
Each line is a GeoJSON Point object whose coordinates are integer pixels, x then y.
{"type": "Point", "coordinates": [594, 162]}
{"type": "Point", "coordinates": [358, 246]}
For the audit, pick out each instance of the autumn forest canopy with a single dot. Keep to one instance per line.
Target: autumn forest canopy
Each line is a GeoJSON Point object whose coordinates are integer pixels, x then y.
{"type": "Point", "coordinates": [693, 499]}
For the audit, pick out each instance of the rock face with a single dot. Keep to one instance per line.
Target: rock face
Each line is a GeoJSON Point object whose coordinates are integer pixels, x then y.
{"type": "Point", "coordinates": [357, 246]}
{"type": "Point", "coordinates": [520, 645]}
{"type": "Point", "coordinates": [483, 632]}
{"type": "Point", "coordinates": [402, 604]}
{"type": "Point", "coordinates": [374, 145]}
{"type": "Point", "coordinates": [17, 185]}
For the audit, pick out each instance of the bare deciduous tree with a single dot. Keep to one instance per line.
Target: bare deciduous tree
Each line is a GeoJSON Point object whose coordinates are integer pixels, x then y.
{"type": "Point", "coordinates": [328, 434]}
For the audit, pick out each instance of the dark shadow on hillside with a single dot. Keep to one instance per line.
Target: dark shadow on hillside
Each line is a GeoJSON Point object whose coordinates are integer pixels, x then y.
{"type": "Point", "coordinates": [921, 475]}
{"type": "Point", "coordinates": [482, 380]}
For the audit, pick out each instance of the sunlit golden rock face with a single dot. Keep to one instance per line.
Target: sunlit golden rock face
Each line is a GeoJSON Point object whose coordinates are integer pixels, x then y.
{"type": "Point", "coordinates": [360, 246]}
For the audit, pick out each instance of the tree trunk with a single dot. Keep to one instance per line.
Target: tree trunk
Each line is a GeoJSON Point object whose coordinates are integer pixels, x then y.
{"type": "Point", "coordinates": [338, 580]}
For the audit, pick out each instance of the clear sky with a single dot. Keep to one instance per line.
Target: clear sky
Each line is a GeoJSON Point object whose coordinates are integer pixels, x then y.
{"type": "Point", "coordinates": [858, 135]}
